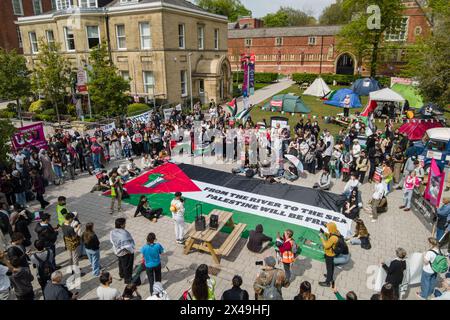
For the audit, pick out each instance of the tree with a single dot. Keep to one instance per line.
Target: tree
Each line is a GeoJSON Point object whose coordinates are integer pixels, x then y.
{"type": "Point", "coordinates": [6, 132]}
{"type": "Point", "coordinates": [288, 17]}
{"type": "Point", "coordinates": [365, 33]}
{"type": "Point", "coordinates": [14, 77]}
{"type": "Point", "coordinates": [429, 61]}
{"type": "Point", "coordinates": [233, 9]}
{"type": "Point", "coordinates": [107, 89]}
{"type": "Point", "coordinates": [52, 75]}
{"type": "Point", "coordinates": [335, 14]}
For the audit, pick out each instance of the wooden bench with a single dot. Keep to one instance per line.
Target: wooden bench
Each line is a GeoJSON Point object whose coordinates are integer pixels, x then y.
{"type": "Point", "coordinates": [231, 241]}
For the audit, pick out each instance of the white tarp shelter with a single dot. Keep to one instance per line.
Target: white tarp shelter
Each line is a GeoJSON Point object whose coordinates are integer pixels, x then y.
{"type": "Point", "coordinates": [387, 95]}
{"type": "Point", "coordinates": [317, 89]}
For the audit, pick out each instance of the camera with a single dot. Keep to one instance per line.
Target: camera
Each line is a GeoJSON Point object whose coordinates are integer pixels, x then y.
{"type": "Point", "coordinates": [259, 263]}
{"type": "Point", "coordinates": [321, 230]}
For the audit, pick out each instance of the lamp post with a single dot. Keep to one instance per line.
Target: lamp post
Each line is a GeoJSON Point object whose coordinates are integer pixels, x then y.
{"type": "Point", "coordinates": [190, 80]}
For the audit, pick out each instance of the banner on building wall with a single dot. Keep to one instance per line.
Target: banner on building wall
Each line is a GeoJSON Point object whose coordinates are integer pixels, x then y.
{"type": "Point", "coordinates": [27, 136]}
{"type": "Point", "coordinates": [435, 185]}
{"type": "Point", "coordinates": [81, 81]}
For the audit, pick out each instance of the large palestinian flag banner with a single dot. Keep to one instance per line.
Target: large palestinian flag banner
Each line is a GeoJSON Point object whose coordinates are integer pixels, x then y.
{"type": "Point", "coordinates": [253, 201]}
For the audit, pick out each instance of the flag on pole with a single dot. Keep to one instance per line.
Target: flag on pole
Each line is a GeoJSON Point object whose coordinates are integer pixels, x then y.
{"type": "Point", "coordinates": [232, 107]}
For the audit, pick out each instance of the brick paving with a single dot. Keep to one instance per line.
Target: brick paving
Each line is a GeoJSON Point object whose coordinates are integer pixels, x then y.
{"type": "Point", "coordinates": [393, 229]}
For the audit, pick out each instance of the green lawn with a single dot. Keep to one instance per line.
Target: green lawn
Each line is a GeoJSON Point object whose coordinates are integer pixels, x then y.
{"type": "Point", "coordinates": [318, 109]}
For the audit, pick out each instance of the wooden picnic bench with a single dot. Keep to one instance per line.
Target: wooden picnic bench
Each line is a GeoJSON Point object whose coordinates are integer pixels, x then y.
{"type": "Point", "coordinates": [29, 116]}
{"type": "Point", "coordinates": [202, 240]}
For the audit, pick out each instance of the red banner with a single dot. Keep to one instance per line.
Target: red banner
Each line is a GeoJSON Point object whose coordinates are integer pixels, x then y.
{"type": "Point", "coordinates": [32, 135]}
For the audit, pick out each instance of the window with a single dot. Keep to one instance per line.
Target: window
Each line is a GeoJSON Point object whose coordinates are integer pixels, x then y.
{"type": "Point", "coordinates": [201, 86]}
{"type": "Point", "coordinates": [278, 41]}
{"type": "Point", "coordinates": [88, 4]}
{"type": "Point", "coordinates": [50, 37]}
{"type": "Point", "coordinates": [181, 43]}
{"type": "Point", "coordinates": [17, 7]}
{"type": "Point", "coordinates": [120, 34]}
{"type": "Point", "coordinates": [201, 37]}
{"type": "Point", "coordinates": [216, 39]}
{"type": "Point", "coordinates": [183, 75]}
{"type": "Point", "coordinates": [418, 30]}
{"type": "Point", "coordinates": [149, 81]}
{"type": "Point", "coordinates": [398, 31]}
{"type": "Point", "coordinates": [33, 42]}
{"type": "Point", "coordinates": [53, 3]}
{"type": "Point", "coordinates": [37, 7]}
{"type": "Point", "coordinates": [19, 37]}
{"type": "Point", "coordinates": [248, 42]}
{"type": "Point", "coordinates": [125, 75]}
{"type": "Point", "coordinates": [93, 36]}
{"type": "Point", "coordinates": [70, 39]}
{"type": "Point", "coordinates": [146, 41]}
{"type": "Point", "coordinates": [312, 41]}
{"type": "Point", "coordinates": [63, 4]}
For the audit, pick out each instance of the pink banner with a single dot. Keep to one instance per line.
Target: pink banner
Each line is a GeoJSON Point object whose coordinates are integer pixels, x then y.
{"type": "Point", "coordinates": [435, 185]}
{"type": "Point", "coordinates": [32, 135]}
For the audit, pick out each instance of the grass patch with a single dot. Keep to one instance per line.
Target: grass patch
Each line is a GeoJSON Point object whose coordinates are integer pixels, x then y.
{"type": "Point", "coordinates": [318, 109]}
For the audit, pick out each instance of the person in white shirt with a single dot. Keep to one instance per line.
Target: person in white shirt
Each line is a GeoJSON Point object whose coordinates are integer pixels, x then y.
{"type": "Point", "coordinates": [351, 184]}
{"type": "Point", "coordinates": [377, 197]}
{"type": "Point", "coordinates": [177, 209]}
{"type": "Point", "coordinates": [428, 279]}
{"type": "Point", "coordinates": [329, 145]}
{"type": "Point", "coordinates": [5, 284]}
{"type": "Point", "coordinates": [356, 149]}
{"type": "Point", "coordinates": [146, 162]}
{"type": "Point", "coordinates": [104, 291]}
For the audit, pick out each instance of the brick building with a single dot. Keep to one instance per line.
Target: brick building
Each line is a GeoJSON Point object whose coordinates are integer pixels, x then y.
{"type": "Point", "coordinates": [10, 10]}
{"type": "Point", "coordinates": [312, 49]}
{"type": "Point", "coordinates": [160, 46]}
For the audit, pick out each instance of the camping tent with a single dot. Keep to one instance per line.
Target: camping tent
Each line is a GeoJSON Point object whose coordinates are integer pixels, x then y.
{"type": "Point", "coordinates": [383, 95]}
{"type": "Point", "coordinates": [365, 86]}
{"type": "Point", "coordinates": [337, 99]}
{"type": "Point", "coordinates": [317, 89]}
{"type": "Point", "coordinates": [415, 129]}
{"type": "Point", "coordinates": [409, 93]}
{"type": "Point", "coordinates": [287, 103]}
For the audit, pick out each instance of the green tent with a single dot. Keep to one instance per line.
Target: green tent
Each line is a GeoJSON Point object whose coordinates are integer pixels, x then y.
{"type": "Point", "coordinates": [408, 92]}
{"type": "Point", "coordinates": [287, 103]}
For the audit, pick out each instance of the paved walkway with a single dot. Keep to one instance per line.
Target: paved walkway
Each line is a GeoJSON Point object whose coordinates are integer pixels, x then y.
{"type": "Point", "coordinates": [266, 92]}
{"type": "Point", "coordinates": [393, 229]}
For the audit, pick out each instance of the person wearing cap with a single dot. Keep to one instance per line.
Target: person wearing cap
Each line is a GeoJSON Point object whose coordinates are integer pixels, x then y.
{"type": "Point", "coordinates": [443, 218]}
{"type": "Point", "coordinates": [265, 276]}
{"type": "Point", "coordinates": [177, 209]}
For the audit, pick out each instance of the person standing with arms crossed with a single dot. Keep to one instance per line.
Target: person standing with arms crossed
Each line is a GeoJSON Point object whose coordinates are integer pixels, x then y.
{"type": "Point", "coordinates": [177, 209]}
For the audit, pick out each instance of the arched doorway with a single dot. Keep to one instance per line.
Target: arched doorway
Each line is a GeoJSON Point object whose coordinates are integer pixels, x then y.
{"type": "Point", "coordinates": [345, 64]}
{"type": "Point", "coordinates": [225, 84]}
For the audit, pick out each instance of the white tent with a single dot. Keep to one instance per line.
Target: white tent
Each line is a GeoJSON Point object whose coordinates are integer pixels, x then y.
{"type": "Point", "coordinates": [317, 89]}
{"type": "Point", "coordinates": [386, 94]}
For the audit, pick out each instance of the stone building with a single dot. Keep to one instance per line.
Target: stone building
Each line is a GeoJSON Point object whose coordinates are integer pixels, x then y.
{"type": "Point", "coordinates": [313, 49]}
{"type": "Point", "coordinates": [10, 10]}
{"type": "Point", "coordinates": [156, 44]}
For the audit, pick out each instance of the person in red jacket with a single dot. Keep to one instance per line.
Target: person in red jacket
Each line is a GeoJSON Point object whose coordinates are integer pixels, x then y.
{"type": "Point", "coordinates": [287, 249]}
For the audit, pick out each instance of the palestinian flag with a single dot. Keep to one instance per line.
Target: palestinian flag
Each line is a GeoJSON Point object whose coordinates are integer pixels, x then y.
{"type": "Point", "coordinates": [244, 114]}
{"type": "Point", "coordinates": [277, 207]}
{"type": "Point", "coordinates": [329, 95]}
{"type": "Point", "coordinates": [232, 107]}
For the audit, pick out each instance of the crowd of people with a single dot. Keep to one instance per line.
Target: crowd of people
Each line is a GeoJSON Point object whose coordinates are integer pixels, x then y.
{"type": "Point", "coordinates": [387, 160]}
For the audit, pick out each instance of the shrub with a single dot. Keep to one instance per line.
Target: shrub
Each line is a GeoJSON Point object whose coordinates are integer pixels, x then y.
{"type": "Point", "coordinates": [304, 77]}
{"type": "Point", "coordinates": [11, 107]}
{"type": "Point", "coordinates": [38, 106]}
{"type": "Point", "coordinates": [72, 110]}
{"type": "Point", "coordinates": [260, 77]}
{"type": "Point", "coordinates": [44, 117]}
{"type": "Point", "coordinates": [48, 112]}
{"type": "Point", "coordinates": [384, 81]}
{"type": "Point", "coordinates": [136, 108]}
{"type": "Point", "coordinates": [5, 114]}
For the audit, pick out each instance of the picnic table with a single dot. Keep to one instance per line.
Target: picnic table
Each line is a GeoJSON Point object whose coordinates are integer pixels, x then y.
{"type": "Point", "coordinates": [202, 240]}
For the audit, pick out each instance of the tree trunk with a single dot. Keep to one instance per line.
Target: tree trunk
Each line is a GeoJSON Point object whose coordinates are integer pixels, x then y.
{"type": "Point", "coordinates": [374, 60]}
{"type": "Point", "coordinates": [19, 112]}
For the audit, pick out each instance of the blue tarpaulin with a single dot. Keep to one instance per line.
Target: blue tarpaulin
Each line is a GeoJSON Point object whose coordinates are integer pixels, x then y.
{"type": "Point", "coordinates": [337, 100]}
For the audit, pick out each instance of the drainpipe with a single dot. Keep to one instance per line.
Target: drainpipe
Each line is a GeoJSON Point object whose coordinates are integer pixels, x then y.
{"type": "Point", "coordinates": [108, 37]}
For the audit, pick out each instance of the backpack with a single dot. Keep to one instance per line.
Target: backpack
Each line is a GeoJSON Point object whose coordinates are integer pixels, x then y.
{"type": "Point", "coordinates": [45, 267]}
{"type": "Point", "coordinates": [271, 292]}
{"type": "Point", "coordinates": [340, 247]}
{"type": "Point", "coordinates": [440, 263]}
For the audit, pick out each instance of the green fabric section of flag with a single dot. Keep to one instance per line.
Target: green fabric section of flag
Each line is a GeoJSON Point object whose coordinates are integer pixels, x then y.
{"type": "Point", "coordinates": [307, 239]}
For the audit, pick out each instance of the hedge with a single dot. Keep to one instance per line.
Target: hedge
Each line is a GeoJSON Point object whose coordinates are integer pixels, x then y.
{"type": "Point", "coordinates": [48, 112]}
{"type": "Point", "coordinates": [136, 108]}
{"type": "Point", "coordinates": [260, 77]}
{"type": "Point", "coordinates": [5, 114]}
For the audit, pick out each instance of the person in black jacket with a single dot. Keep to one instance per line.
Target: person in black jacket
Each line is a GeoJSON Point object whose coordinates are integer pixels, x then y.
{"type": "Point", "coordinates": [395, 270]}
{"type": "Point", "coordinates": [47, 234]}
{"type": "Point", "coordinates": [21, 223]}
{"type": "Point", "coordinates": [236, 293]}
{"type": "Point", "coordinates": [17, 250]}
{"type": "Point", "coordinates": [256, 240]}
{"type": "Point", "coordinates": [145, 209]}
